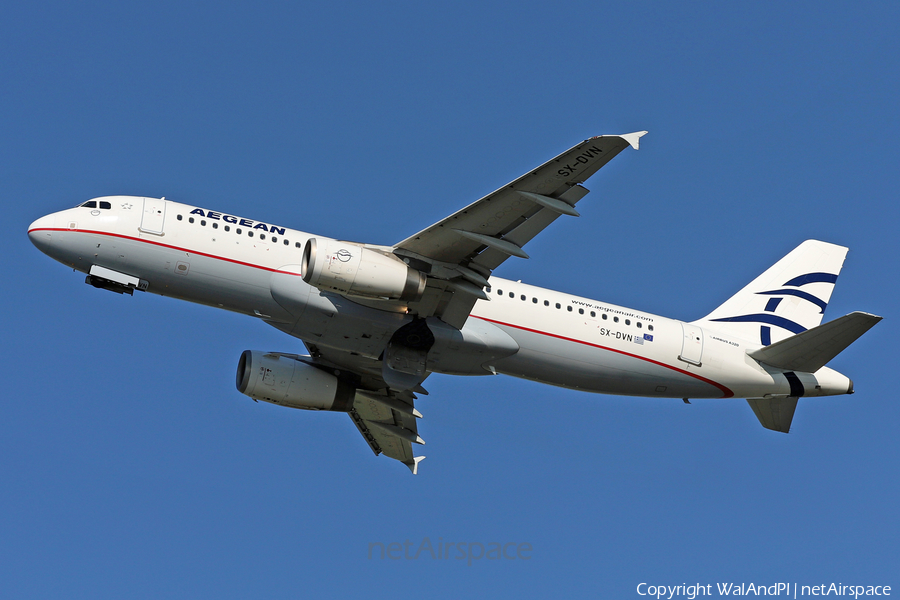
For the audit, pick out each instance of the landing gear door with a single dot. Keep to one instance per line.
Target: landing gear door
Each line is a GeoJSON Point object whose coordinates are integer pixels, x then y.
{"type": "Point", "coordinates": [154, 216]}
{"type": "Point", "coordinates": [692, 347]}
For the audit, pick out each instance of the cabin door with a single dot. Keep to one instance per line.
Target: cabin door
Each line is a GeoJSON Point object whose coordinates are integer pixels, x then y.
{"type": "Point", "coordinates": [692, 346]}
{"type": "Point", "coordinates": [154, 216]}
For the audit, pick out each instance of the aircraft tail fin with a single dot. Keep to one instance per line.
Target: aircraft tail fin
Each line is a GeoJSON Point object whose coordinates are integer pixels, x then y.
{"type": "Point", "coordinates": [788, 298]}
{"type": "Point", "coordinates": [774, 413]}
{"type": "Point", "coordinates": [810, 350]}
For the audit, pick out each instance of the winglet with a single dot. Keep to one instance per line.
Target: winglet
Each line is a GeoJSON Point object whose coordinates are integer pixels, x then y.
{"type": "Point", "coordinates": [633, 138]}
{"type": "Point", "coordinates": [414, 465]}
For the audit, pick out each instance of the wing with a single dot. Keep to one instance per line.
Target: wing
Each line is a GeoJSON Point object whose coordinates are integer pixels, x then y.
{"type": "Point", "coordinates": [460, 252]}
{"type": "Point", "coordinates": [387, 419]}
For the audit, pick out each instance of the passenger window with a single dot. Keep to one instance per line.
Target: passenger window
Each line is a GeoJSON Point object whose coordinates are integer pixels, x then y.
{"type": "Point", "coordinates": [580, 311]}
{"type": "Point", "coordinates": [557, 305]}
{"type": "Point", "coordinates": [615, 319]}
{"type": "Point", "coordinates": [639, 325]}
{"type": "Point", "coordinates": [202, 223]}
{"type": "Point", "coordinates": [262, 236]}
{"type": "Point", "coordinates": [227, 228]}
{"type": "Point", "coordinates": [511, 295]}
{"type": "Point", "coordinates": [650, 327]}
{"type": "Point", "coordinates": [274, 239]}
{"type": "Point", "coordinates": [238, 231]}
{"type": "Point", "coordinates": [500, 292]}
{"type": "Point", "coordinates": [522, 297]}
{"type": "Point", "coordinates": [249, 234]}
{"type": "Point", "coordinates": [105, 205]}
{"type": "Point", "coordinates": [628, 321]}
{"type": "Point", "coordinates": [297, 244]}
{"type": "Point", "coordinates": [569, 308]}
{"type": "Point", "coordinates": [215, 225]}
{"type": "Point", "coordinates": [593, 314]}
{"type": "Point", "coordinates": [287, 243]}
{"type": "Point", "coordinates": [534, 300]}
{"type": "Point", "coordinates": [190, 219]}
{"type": "Point", "coordinates": [546, 303]}
{"type": "Point", "coordinates": [604, 316]}
{"type": "Point", "coordinates": [179, 217]}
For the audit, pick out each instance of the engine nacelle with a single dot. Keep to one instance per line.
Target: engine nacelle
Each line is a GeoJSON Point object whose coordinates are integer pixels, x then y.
{"type": "Point", "coordinates": [288, 381]}
{"type": "Point", "coordinates": [354, 270]}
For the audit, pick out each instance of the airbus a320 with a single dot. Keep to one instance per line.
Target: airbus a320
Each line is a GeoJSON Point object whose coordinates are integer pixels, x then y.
{"type": "Point", "coordinates": [376, 320]}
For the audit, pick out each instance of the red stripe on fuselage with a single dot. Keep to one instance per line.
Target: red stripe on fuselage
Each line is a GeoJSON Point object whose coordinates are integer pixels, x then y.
{"type": "Point", "coordinates": [128, 237]}
{"type": "Point", "coordinates": [727, 392]}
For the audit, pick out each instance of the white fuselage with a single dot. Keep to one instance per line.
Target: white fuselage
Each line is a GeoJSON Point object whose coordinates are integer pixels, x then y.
{"type": "Point", "coordinates": [525, 331]}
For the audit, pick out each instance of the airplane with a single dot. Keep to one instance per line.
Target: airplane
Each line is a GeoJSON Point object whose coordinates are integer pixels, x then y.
{"type": "Point", "coordinates": [378, 320]}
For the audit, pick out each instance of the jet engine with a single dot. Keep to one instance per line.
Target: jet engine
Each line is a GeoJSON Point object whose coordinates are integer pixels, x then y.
{"type": "Point", "coordinates": [287, 380]}
{"type": "Point", "coordinates": [354, 270]}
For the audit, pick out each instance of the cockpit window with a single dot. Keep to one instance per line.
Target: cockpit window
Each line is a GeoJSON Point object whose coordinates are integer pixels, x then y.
{"type": "Point", "coordinates": [93, 204]}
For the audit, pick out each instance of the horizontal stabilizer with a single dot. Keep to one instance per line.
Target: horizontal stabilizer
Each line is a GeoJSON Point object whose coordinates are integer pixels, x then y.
{"type": "Point", "coordinates": [774, 413]}
{"type": "Point", "coordinates": [810, 350]}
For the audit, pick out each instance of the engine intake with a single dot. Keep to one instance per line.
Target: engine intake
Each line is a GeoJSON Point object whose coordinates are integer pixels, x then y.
{"type": "Point", "coordinates": [354, 270]}
{"type": "Point", "coordinates": [289, 381]}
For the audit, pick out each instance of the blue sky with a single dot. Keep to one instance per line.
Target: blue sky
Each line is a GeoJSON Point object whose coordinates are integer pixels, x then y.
{"type": "Point", "coordinates": [132, 467]}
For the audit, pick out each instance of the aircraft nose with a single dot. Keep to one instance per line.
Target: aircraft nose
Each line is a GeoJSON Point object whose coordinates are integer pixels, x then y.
{"type": "Point", "coordinates": [41, 233]}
